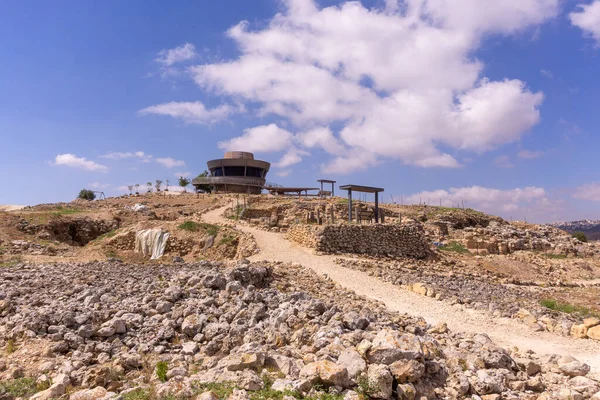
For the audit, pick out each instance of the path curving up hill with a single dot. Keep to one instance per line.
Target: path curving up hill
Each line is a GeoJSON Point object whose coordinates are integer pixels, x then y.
{"type": "Point", "coordinates": [503, 331]}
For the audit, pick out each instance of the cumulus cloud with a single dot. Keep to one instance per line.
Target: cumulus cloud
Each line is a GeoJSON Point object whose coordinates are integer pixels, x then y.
{"type": "Point", "coordinates": [266, 138]}
{"type": "Point", "coordinates": [587, 18]}
{"type": "Point", "coordinates": [71, 160]}
{"type": "Point", "coordinates": [347, 66]}
{"type": "Point", "coordinates": [170, 162]}
{"type": "Point", "coordinates": [178, 54]}
{"type": "Point", "coordinates": [518, 202]}
{"type": "Point", "coordinates": [127, 155]}
{"type": "Point", "coordinates": [590, 192]}
{"type": "Point", "coordinates": [530, 154]}
{"type": "Point", "coordinates": [191, 112]}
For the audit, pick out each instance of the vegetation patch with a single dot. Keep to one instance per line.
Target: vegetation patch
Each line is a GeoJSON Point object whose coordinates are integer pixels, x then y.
{"type": "Point", "coordinates": [580, 236]}
{"type": "Point", "coordinates": [11, 263]}
{"type": "Point", "coordinates": [65, 211]}
{"type": "Point", "coordinates": [22, 387]}
{"type": "Point", "coordinates": [107, 235]}
{"type": "Point", "coordinates": [455, 247]}
{"type": "Point", "coordinates": [568, 308]}
{"type": "Point", "coordinates": [192, 226]}
{"type": "Point", "coordinates": [227, 239]}
{"type": "Point", "coordinates": [161, 370]}
{"type": "Point", "coordinates": [556, 256]}
{"type": "Point", "coordinates": [221, 389]}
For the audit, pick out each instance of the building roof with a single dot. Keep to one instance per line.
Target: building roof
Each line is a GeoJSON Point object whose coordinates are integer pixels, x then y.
{"type": "Point", "coordinates": [325, 181]}
{"type": "Point", "coordinates": [359, 188]}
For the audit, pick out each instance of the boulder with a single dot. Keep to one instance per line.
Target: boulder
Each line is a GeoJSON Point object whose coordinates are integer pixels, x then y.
{"type": "Point", "coordinates": [591, 322]}
{"type": "Point", "coordinates": [407, 370]}
{"type": "Point", "coordinates": [594, 332]}
{"type": "Point", "coordinates": [389, 346]}
{"type": "Point", "coordinates": [380, 380]}
{"type": "Point", "coordinates": [572, 367]}
{"type": "Point", "coordinates": [579, 331]}
{"type": "Point", "coordinates": [89, 394]}
{"type": "Point", "coordinates": [326, 372]}
{"type": "Point", "coordinates": [353, 362]}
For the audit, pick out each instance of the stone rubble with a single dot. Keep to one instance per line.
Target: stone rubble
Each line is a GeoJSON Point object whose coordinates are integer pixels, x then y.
{"type": "Point", "coordinates": [101, 330]}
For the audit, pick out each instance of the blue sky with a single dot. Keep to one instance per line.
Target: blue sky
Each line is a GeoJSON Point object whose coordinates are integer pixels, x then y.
{"type": "Point", "coordinates": [494, 105]}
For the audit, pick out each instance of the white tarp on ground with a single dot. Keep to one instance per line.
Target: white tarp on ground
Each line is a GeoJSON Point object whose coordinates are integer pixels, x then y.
{"type": "Point", "coordinates": [151, 242]}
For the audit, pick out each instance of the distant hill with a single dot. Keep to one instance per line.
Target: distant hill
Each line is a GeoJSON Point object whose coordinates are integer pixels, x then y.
{"type": "Point", "coordinates": [590, 227]}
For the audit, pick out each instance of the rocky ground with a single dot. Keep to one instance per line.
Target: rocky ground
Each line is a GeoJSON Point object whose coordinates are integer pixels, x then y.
{"type": "Point", "coordinates": [242, 330]}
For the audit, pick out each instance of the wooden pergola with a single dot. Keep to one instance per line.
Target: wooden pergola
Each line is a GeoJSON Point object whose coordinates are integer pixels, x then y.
{"type": "Point", "coordinates": [363, 189]}
{"type": "Point", "coordinates": [322, 181]}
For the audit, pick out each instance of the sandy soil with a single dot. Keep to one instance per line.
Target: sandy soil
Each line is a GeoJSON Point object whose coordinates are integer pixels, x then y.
{"type": "Point", "coordinates": [503, 331]}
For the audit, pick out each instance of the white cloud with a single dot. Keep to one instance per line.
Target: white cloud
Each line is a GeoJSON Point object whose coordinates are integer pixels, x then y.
{"type": "Point", "coordinates": [503, 162]}
{"type": "Point", "coordinates": [590, 192]}
{"type": "Point", "coordinates": [126, 155]}
{"type": "Point", "coordinates": [170, 162]}
{"type": "Point", "coordinates": [178, 54]}
{"type": "Point", "coordinates": [284, 172]}
{"type": "Point", "coordinates": [587, 18]}
{"type": "Point", "coordinates": [530, 154]}
{"type": "Point", "coordinates": [191, 112]}
{"type": "Point", "coordinates": [347, 66]}
{"type": "Point", "coordinates": [184, 174]}
{"type": "Point", "coordinates": [291, 157]}
{"type": "Point", "coordinates": [98, 185]}
{"type": "Point", "coordinates": [519, 202]}
{"type": "Point", "coordinates": [546, 73]}
{"type": "Point", "coordinates": [265, 138]}
{"type": "Point", "coordinates": [71, 160]}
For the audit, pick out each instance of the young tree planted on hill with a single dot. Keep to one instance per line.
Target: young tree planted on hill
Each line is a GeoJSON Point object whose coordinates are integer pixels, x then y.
{"type": "Point", "coordinates": [184, 182]}
{"type": "Point", "coordinates": [130, 188]}
{"type": "Point", "coordinates": [137, 185]}
{"type": "Point", "coordinates": [86, 194]}
{"type": "Point", "coordinates": [204, 188]}
{"type": "Point", "coordinates": [167, 188]}
{"type": "Point", "coordinates": [149, 184]}
{"type": "Point", "coordinates": [157, 185]}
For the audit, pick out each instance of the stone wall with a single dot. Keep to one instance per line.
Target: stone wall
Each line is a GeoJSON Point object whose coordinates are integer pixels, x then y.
{"type": "Point", "coordinates": [407, 240]}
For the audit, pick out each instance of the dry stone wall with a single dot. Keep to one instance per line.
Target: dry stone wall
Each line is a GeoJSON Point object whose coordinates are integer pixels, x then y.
{"type": "Point", "coordinates": [406, 240]}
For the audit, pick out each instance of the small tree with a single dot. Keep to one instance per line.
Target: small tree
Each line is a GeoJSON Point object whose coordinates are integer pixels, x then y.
{"type": "Point", "coordinates": [130, 187]}
{"type": "Point", "coordinates": [86, 195]}
{"type": "Point", "coordinates": [204, 188]}
{"type": "Point", "coordinates": [157, 185]}
{"type": "Point", "coordinates": [149, 184]}
{"type": "Point", "coordinates": [580, 236]}
{"type": "Point", "coordinates": [137, 186]}
{"type": "Point", "coordinates": [167, 188]}
{"type": "Point", "coordinates": [183, 182]}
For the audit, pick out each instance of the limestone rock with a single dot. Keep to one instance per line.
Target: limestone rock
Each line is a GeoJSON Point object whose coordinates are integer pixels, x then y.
{"type": "Point", "coordinates": [327, 372]}
{"type": "Point", "coordinates": [353, 362]}
{"type": "Point", "coordinates": [572, 367]}
{"type": "Point", "coordinates": [594, 332]}
{"type": "Point", "coordinates": [389, 346]}
{"type": "Point", "coordinates": [381, 380]}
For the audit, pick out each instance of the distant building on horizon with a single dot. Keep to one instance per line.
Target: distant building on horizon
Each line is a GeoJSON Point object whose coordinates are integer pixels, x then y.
{"type": "Point", "coordinates": [236, 172]}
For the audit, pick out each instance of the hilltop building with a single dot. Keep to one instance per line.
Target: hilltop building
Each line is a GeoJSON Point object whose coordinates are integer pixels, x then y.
{"type": "Point", "coordinates": [236, 172]}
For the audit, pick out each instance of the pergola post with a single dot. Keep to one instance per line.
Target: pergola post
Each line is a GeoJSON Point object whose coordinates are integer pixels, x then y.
{"type": "Point", "coordinates": [332, 189]}
{"type": "Point", "coordinates": [376, 207]}
{"type": "Point", "coordinates": [349, 205]}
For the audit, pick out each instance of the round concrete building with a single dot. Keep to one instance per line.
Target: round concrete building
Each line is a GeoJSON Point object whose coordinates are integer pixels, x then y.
{"type": "Point", "coordinates": [236, 172]}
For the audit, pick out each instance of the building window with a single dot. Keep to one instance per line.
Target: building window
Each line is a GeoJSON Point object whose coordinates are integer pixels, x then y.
{"type": "Point", "coordinates": [217, 172]}
{"type": "Point", "coordinates": [234, 171]}
{"type": "Point", "coordinates": [254, 172]}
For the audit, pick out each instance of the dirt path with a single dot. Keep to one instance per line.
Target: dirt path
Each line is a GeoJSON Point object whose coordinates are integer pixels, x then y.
{"type": "Point", "coordinates": [505, 332]}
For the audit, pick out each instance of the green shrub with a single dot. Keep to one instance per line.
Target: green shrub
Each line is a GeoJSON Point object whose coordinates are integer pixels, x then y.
{"type": "Point", "coordinates": [86, 194]}
{"type": "Point", "coordinates": [580, 236]}
{"type": "Point", "coordinates": [161, 370]}
{"type": "Point", "coordinates": [222, 389]}
{"type": "Point", "coordinates": [455, 247]}
{"type": "Point", "coordinates": [195, 227]}
{"type": "Point", "coordinates": [568, 308]}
